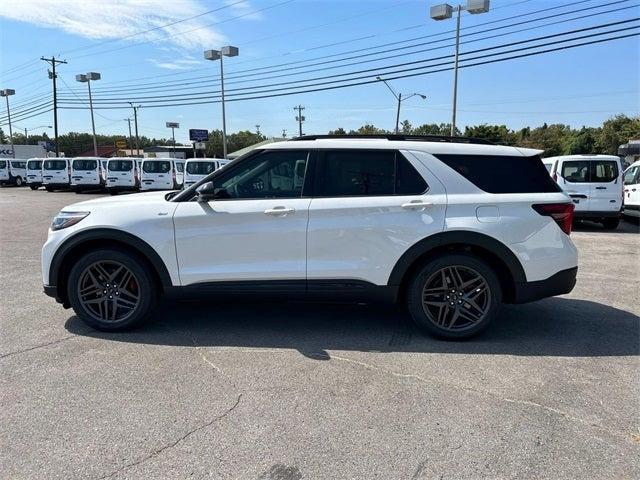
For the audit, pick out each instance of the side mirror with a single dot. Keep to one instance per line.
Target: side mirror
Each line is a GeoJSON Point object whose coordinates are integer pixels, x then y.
{"type": "Point", "coordinates": [206, 192]}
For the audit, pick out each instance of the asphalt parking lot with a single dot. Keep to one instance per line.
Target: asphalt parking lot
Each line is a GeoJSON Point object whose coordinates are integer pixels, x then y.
{"type": "Point", "coordinates": [292, 391]}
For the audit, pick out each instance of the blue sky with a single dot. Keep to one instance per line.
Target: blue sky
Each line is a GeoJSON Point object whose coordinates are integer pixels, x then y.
{"type": "Point", "coordinates": [581, 86]}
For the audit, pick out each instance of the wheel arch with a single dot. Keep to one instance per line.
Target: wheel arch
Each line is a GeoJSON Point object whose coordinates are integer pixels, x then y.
{"type": "Point", "coordinates": [89, 240]}
{"type": "Point", "coordinates": [496, 254]}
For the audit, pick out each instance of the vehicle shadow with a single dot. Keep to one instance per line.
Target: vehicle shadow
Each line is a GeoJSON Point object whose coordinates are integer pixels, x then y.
{"type": "Point", "coordinates": [627, 225]}
{"type": "Point", "coordinates": [551, 327]}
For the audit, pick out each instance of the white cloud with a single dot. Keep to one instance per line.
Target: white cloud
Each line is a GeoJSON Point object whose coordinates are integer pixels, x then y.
{"type": "Point", "coordinates": [115, 19]}
{"type": "Point", "coordinates": [180, 64]}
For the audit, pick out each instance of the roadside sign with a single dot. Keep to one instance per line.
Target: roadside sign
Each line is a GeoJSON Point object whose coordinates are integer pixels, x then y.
{"type": "Point", "coordinates": [173, 125]}
{"type": "Point", "coordinates": [121, 143]}
{"type": "Point", "coordinates": [198, 135]}
{"type": "Point", "coordinates": [200, 145]}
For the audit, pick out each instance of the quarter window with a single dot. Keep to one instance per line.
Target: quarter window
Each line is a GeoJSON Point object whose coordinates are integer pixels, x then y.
{"type": "Point", "coordinates": [274, 174]}
{"type": "Point", "coordinates": [353, 173]}
{"type": "Point", "coordinates": [630, 176]}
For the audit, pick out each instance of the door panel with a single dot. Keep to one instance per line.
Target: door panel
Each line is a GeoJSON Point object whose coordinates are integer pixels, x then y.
{"type": "Point", "coordinates": [362, 237]}
{"type": "Point", "coordinates": [606, 186]}
{"type": "Point", "coordinates": [573, 176]}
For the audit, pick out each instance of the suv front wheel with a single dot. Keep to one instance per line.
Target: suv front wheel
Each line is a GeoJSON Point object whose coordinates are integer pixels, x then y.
{"type": "Point", "coordinates": [111, 290]}
{"type": "Point", "coordinates": [454, 296]}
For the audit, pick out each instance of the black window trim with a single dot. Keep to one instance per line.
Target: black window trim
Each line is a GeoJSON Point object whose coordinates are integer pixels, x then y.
{"type": "Point", "coordinates": [321, 168]}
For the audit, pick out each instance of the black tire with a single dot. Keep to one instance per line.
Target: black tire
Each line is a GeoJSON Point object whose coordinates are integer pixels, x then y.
{"type": "Point", "coordinates": [610, 223]}
{"type": "Point", "coordinates": [80, 279]}
{"type": "Point", "coordinates": [48, 189]}
{"type": "Point", "coordinates": [457, 305]}
{"type": "Point", "coordinates": [18, 181]}
{"type": "Point", "coordinates": [33, 187]}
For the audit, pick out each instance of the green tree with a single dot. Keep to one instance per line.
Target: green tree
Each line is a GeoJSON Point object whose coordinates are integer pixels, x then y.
{"type": "Point", "coordinates": [582, 141]}
{"type": "Point", "coordinates": [406, 128]}
{"type": "Point", "coordinates": [494, 133]}
{"type": "Point", "coordinates": [368, 129]}
{"type": "Point", "coordinates": [442, 129]}
{"type": "Point", "coordinates": [338, 131]}
{"type": "Point", "coordinates": [616, 131]}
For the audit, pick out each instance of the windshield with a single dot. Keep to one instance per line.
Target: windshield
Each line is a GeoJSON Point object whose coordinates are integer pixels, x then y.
{"type": "Point", "coordinates": [120, 165]}
{"type": "Point", "coordinates": [34, 164]}
{"type": "Point", "coordinates": [84, 164]}
{"type": "Point", "coordinates": [55, 164]}
{"type": "Point", "coordinates": [156, 166]}
{"type": "Point", "coordinates": [200, 168]}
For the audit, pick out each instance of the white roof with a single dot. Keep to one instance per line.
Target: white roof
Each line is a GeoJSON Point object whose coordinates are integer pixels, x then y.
{"type": "Point", "coordinates": [381, 143]}
{"type": "Point", "coordinates": [584, 156]}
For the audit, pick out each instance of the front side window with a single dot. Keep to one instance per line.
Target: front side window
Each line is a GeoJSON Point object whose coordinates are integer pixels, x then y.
{"type": "Point", "coordinates": [576, 171]}
{"type": "Point", "coordinates": [354, 173]}
{"type": "Point", "coordinates": [55, 165]}
{"type": "Point", "coordinates": [156, 166]}
{"type": "Point", "coordinates": [180, 167]}
{"type": "Point", "coordinates": [120, 165]}
{"type": "Point", "coordinates": [34, 164]}
{"type": "Point", "coordinates": [84, 164]}
{"type": "Point", "coordinates": [274, 174]}
{"type": "Point", "coordinates": [630, 176]}
{"type": "Point", "coordinates": [200, 168]}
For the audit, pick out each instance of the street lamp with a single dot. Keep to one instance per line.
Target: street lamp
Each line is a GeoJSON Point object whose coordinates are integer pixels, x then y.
{"type": "Point", "coordinates": [6, 93]}
{"type": "Point", "coordinates": [400, 99]}
{"type": "Point", "coordinates": [173, 126]}
{"type": "Point", "coordinates": [81, 77]}
{"type": "Point", "coordinates": [443, 12]}
{"type": "Point", "coordinates": [26, 132]}
{"type": "Point", "coordinates": [227, 51]}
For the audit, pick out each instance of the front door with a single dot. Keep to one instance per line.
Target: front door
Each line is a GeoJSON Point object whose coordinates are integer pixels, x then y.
{"type": "Point", "coordinates": [256, 227]}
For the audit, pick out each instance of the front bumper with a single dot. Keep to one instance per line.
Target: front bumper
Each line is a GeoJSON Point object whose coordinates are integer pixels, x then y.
{"type": "Point", "coordinates": [558, 284]}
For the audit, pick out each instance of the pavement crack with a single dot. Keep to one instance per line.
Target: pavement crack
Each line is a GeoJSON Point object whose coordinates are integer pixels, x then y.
{"type": "Point", "coordinates": [36, 347]}
{"type": "Point", "coordinates": [615, 433]}
{"type": "Point", "coordinates": [168, 446]}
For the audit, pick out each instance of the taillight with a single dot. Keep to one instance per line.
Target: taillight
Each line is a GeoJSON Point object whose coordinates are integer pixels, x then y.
{"type": "Point", "coordinates": [562, 214]}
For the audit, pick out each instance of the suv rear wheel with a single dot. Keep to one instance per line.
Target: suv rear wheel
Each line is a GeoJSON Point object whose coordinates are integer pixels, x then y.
{"type": "Point", "coordinates": [455, 296]}
{"type": "Point", "coordinates": [111, 290]}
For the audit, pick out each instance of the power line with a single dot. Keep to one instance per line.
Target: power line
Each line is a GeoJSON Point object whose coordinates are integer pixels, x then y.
{"type": "Point", "coordinates": [368, 71]}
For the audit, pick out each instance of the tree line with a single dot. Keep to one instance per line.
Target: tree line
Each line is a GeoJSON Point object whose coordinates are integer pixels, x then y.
{"type": "Point", "coordinates": [554, 139]}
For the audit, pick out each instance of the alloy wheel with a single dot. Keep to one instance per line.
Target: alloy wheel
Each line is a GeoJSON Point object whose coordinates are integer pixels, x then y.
{"type": "Point", "coordinates": [108, 291]}
{"type": "Point", "coordinates": [456, 298]}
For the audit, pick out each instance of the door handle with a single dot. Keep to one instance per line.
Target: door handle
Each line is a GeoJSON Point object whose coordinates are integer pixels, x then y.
{"type": "Point", "coordinates": [278, 211]}
{"type": "Point", "coordinates": [416, 205]}
{"type": "Point", "coordinates": [601, 188]}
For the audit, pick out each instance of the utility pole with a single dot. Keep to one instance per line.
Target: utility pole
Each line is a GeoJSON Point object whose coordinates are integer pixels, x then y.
{"type": "Point", "coordinates": [300, 118]}
{"type": "Point", "coordinates": [284, 133]}
{"type": "Point", "coordinates": [52, 75]}
{"type": "Point", "coordinates": [130, 136]}
{"type": "Point", "coordinates": [135, 121]}
{"type": "Point", "coordinates": [257, 129]}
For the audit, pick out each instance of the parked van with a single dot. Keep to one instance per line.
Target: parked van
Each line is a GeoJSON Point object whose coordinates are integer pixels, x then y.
{"type": "Point", "coordinates": [594, 182]}
{"type": "Point", "coordinates": [195, 169]}
{"type": "Point", "coordinates": [4, 171]}
{"type": "Point", "coordinates": [34, 172]}
{"type": "Point", "coordinates": [122, 174]}
{"type": "Point", "coordinates": [86, 173]}
{"type": "Point", "coordinates": [18, 171]}
{"type": "Point", "coordinates": [161, 174]}
{"type": "Point", "coordinates": [56, 173]}
{"type": "Point", "coordinates": [631, 180]}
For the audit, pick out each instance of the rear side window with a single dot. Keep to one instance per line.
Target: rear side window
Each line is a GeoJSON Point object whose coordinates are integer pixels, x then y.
{"type": "Point", "coordinates": [502, 173]}
{"type": "Point", "coordinates": [34, 164]}
{"type": "Point", "coordinates": [352, 173]}
{"type": "Point", "coordinates": [19, 164]}
{"type": "Point", "coordinates": [55, 165]}
{"type": "Point", "coordinates": [84, 164]}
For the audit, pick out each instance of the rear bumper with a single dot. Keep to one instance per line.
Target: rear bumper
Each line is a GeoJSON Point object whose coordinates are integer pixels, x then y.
{"type": "Point", "coordinates": [558, 284]}
{"type": "Point", "coordinates": [586, 215]}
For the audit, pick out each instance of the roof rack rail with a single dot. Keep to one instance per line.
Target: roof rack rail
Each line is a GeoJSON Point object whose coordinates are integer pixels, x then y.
{"type": "Point", "coordinates": [410, 138]}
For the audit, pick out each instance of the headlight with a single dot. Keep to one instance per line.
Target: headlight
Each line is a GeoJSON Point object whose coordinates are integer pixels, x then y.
{"type": "Point", "coordinates": [66, 219]}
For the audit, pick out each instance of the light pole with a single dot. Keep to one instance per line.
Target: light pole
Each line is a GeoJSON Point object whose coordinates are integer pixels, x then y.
{"type": "Point", "coordinates": [443, 12]}
{"type": "Point", "coordinates": [173, 126]}
{"type": "Point", "coordinates": [227, 51]}
{"type": "Point", "coordinates": [7, 92]}
{"type": "Point", "coordinates": [87, 78]}
{"type": "Point", "coordinates": [400, 99]}
{"type": "Point", "coordinates": [26, 132]}
{"type": "Point", "coordinates": [135, 122]}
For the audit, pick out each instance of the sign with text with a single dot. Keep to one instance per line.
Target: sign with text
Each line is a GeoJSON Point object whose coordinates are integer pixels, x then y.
{"type": "Point", "coordinates": [198, 135]}
{"type": "Point", "coordinates": [173, 125]}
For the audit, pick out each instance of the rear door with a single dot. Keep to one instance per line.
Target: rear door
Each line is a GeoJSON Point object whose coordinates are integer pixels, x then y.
{"type": "Point", "coordinates": [157, 174]}
{"type": "Point", "coordinates": [574, 178]}
{"type": "Point", "coordinates": [632, 189]}
{"type": "Point", "coordinates": [606, 185]}
{"type": "Point", "coordinates": [368, 208]}
{"type": "Point", "coordinates": [56, 171]}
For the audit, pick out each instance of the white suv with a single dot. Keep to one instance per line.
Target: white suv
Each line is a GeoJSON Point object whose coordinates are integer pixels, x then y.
{"type": "Point", "coordinates": [451, 228]}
